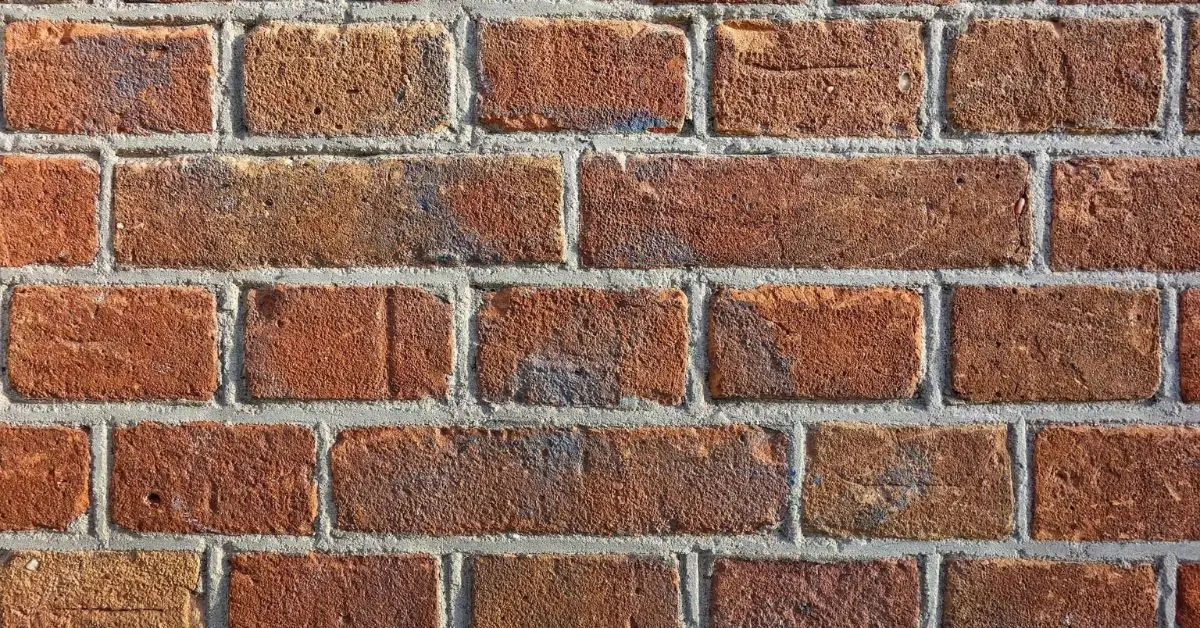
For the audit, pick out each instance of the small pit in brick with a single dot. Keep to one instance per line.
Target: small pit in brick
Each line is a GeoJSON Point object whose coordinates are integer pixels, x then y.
{"type": "Point", "coordinates": [153, 498]}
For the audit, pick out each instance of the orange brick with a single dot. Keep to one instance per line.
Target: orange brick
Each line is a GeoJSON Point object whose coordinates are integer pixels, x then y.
{"type": "Point", "coordinates": [48, 210]}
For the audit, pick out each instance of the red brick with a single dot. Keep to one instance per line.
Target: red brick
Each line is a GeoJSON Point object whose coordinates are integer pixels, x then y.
{"type": "Point", "coordinates": [96, 78]}
{"type": "Point", "coordinates": [208, 477]}
{"type": "Point", "coordinates": [325, 342]}
{"type": "Point", "coordinates": [581, 591]}
{"type": "Point", "coordinates": [273, 591]}
{"type": "Point", "coordinates": [815, 595]}
{"type": "Point", "coordinates": [814, 342]}
{"type": "Point", "coordinates": [540, 74]}
{"type": "Point", "coordinates": [908, 482]}
{"type": "Point", "coordinates": [1055, 343]}
{"type": "Point", "coordinates": [818, 78]}
{"type": "Point", "coordinates": [107, 343]}
{"type": "Point", "coordinates": [1042, 593]}
{"type": "Point", "coordinates": [43, 477]}
{"type": "Point", "coordinates": [359, 79]}
{"type": "Point", "coordinates": [1189, 345]}
{"type": "Point", "coordinates": [669, 211]}
{"type": "Point", "coordinates": [583, 347]}
{"type": "Point", "coordinates": [1116, 483]}
{"type": "Point", "coordinates": [465, 481]}
{"type": "Point", "coordinates": [1073, 75]}
{"type": "Point", "coordinates": [1187, 613]}
{"type": "Point", "coordinates": [239, 212]}
{"type": "Point", "coordinates": [1191, 101]}
{"type": "Point", "coordinates": [48, 210]}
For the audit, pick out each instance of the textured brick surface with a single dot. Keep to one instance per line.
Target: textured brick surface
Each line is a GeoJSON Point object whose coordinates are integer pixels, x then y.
{"type": "Point", "coordinates": [665, 211]}
{"type": "Point", "coordinates": [1191, 103]}
{"type": "Point", "coordinates": [212, 478]}
{"type": "Point", "coordinates": [1187, 613]}
{"type": "Point", "coordinates": [540, 74]}
{"type": "Point", "coordinates": [48, 210]}
{"type": "Point", "coordinates": [458, 480]}
{"type": "Point", "coordinates": [1055, 343]}
{"type": "Point", "coordinates": [583, 591]}
{"type": "Point", "coordinates": [579, 347]}
{"type": "Point", "coordinates": [818, 78]}
{"type": "Point", "coordinates": [1189, 345]}
{"type": "Point", "coordinates": [43, 477]}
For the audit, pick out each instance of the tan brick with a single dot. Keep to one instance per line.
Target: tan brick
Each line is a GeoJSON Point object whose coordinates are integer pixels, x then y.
{"type": "Point", "coordinates": [467, 481]}
{"type": "Point", "coordinates": [1055, 343]}
{"type": "Point", "coordinates": [583, 347]}
{"type": "Point", "coordinates": [1189, 345]}
{"type": "Point", "coordinates": [237, 212]}
{"type": "Point", "coordinates": [818, 78]}
{"type": "Point", "coordinates": [43, 476]}
{"type": "Point", "coordinates": [48, 210]}
{"type": "Point", "coordinates": [96, 78]}
{"type": "Point", "coordinates": [669, 211]}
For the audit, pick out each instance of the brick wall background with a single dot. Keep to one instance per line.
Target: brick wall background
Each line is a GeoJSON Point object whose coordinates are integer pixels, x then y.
{"type": "Point", "coordinates": [494, 313]}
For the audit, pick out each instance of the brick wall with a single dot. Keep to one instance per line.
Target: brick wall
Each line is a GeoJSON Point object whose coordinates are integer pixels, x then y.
{"type": "Point", "coordinates": [518, 313]}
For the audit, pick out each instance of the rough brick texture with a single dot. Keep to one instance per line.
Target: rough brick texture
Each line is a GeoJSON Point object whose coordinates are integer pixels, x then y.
{"type": "Point", "coordinates": [48, 210]}
{"type": "Point", "coordinates": [43, 477]}
{"type": "Point", "coordinates": [1191, 102]}
{"type": "Point", "coordinates": [1187, 614]}
{"type": "Point", "coordinates": [1189, 345]}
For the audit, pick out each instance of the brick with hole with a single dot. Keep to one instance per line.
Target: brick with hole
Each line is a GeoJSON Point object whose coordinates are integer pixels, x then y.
{"type": "Point", "coordinates": [454, 481]}
{"type": "Point", "coordinates": [43, 477]}
{"type": "Point", "coordinates": [670, 211]}
{"type": "Point", "coordinates": [802, 594]}
{"type": "Point", "coordinates": [48, 210]}
{"type": "Point", "coordinates": [110, 343]}
{"type": "Point", "coordinates": [1055, 343]}
{"type": "Point", "coordinates": [814, 342]}
{"type": "Point", "coordinates": [1070, 75]}
{"type": "Point", "coordinates": [362, 79]}
{"type": "Point", "coordinates": [818, 78]}
{"type": "Point", "coordinates": [585, 591]}
{"type": "Point", "coordinates": [67, 77]}
{"type": "Point", "coordinates": [352, 343]}
{"type": "Point", "coordinates": [599, 76]}
{"type": "Point", "coordinates": [213, 478]}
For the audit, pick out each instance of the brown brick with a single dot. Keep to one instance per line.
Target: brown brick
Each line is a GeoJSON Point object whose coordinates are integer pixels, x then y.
{"type": "Point", "coordinates": [1191, 101]}
{"type": "Point", "coordinates": [48, 210]}
{"type": "Point", "coordinates": [97, 78]}
{"type": "Point", "coordinates": [814, 342]}
{"type": "Point", "coordinates": [815, 595]}
{"type": "Point", "coordinates": [100, 590]}
{"type": "Point", "coordinates": [1055, 343]}
{"type": "Point", "coordinates": [1189, 345]}
{"type": "Point", "coordinates": [1041, 593]}
{"type": "Point", "coordinates": [273, 591]}
{"type": "Point", "coordinates": [542, 74]}
{"type": "Point", "coordinates": [1115, 483]}
{"type": "Point", "coordinates": [231, 212]}
{"type": "Point", "coordinates": [1073, 75]}
{"type": "Point", "coordinates": [908, 482]}
{"type": "Point", "coordinates": [583, 347]}
{"type": "Point", "coordinates": [463, 481]}
{"type": "Point", "coordinates": [581, 591]}
{"type": "Point", "coordinates": [325, 342]}
{"type": "Point", "coordinates": [107, 343]}
{"type": "Point", "coordinates": [208, 477]}
{"type": "Point", "coordinates": [818, 78]}
{"type": "Point", "coordinates": [43, 477]}
{"type": "Point", "coordinates": [361, 79]}
{"type": "Point", "coordinates": [877, 212]}
{"type": "Point", "coordinates": [1187, 612]}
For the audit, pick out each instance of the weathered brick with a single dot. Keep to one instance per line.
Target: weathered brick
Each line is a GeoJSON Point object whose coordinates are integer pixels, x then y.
{"type": "Point", "coordinates": [461, 481]}
{"type": "Point", "coordinates": [814, 342]}
{"type": "Point", "coordinates": [910, 482]}
{"type": "Point", "coordinates": [1187, 612]}
{"type": "Point", "coordinates": [231, 212]}
{"type": "Point", "coordinates": [208, 477]}
{"type": "Point", "coordinates": [360, 79]}
{"type": "Point", "coordinates": [1055, 343]}
{"type": "Point", "coordinates": [879, 212]}
{"type": "Point", "coordinates": [273, 591]}
{"type": "Point", "coordinates": [976, 593]}
{"type": "Point", "coordinates": [43, 477]}
{"type": "Point", "coordinates": [1073, 75]}
{"type": "Point", "coordinates": [100, 590]}
{"type": "Point", "coordinates": [109, 343]}
{"type": "Point", "coordinates": [1189, 345]}
{"type": "Point", "coordinates": [1191, 101]}
{"type": "Point", "coordinates": [542, 74]}
{"type": "Point", "coordinates": [583, 347]}
{"type": "Point", "coordinates": [48, 210]}
{"type": "Point", "coordinates": [1112, 483]}
{"type": "Point", "coordinates": [325, 342]}
{"type": "Point", "coordinates": [818, 78]}
{"type": "Point", "coordinates": [96, 78]}
{"type": "Point", "coordinates": [815, 595]}
{"type": "Point", "coordinates": [582, 591]}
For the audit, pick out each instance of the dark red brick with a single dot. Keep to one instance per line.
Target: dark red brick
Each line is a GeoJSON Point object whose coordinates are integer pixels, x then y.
{"type": "Point", "coordinates": [48, 210]}
{"type": "Point", "coordinates": [1189, 345]}
{"type": "Point", "coordinates": [43, 477]}
{"type": "Point", "coordinates": [1187, 612]}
